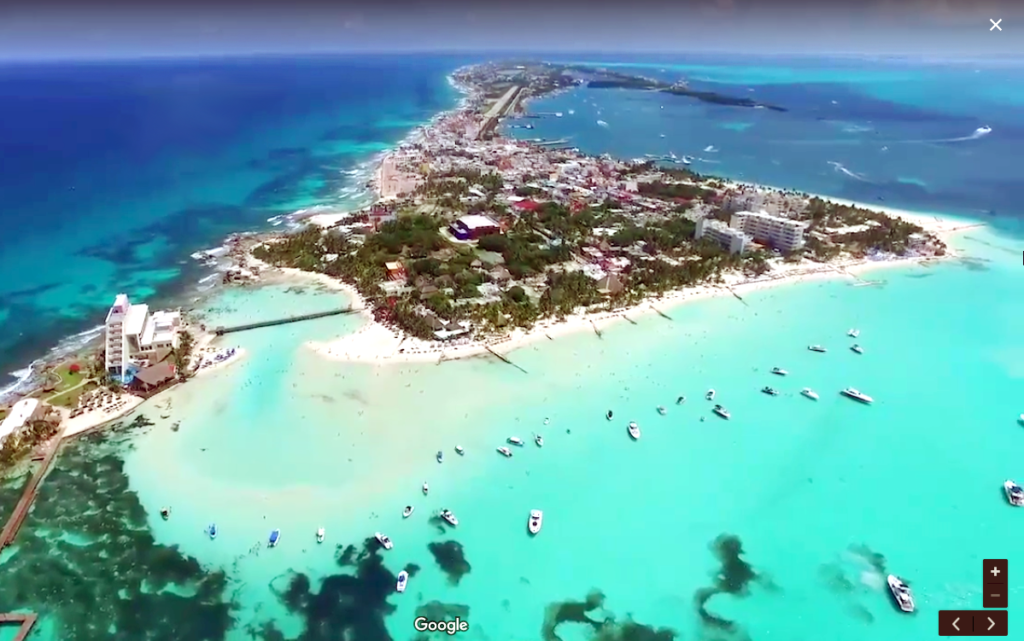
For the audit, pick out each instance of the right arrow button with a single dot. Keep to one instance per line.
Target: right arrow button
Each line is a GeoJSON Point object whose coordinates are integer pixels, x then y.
{"type": "Point", "coordinates": [991, 623]}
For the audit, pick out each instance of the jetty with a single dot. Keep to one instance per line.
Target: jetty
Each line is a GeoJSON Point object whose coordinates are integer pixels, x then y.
{"type": "Point", "coordinates": [661, 313]}
{"type": "Point", "coordinates": [26, 621]}
{"type": "Point", "coordinates": [504, 359]}
{"type": "Point", "coordinates": [499, 110]}
{"type": "Point", "coordinates": [220, 331]}
{"type": "Point", "coordinates": [28, 495]}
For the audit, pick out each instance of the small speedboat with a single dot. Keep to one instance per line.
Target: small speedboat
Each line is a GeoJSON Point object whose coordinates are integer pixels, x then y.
{"type": "Point", "coordinates": [515, 440]}
{"type": "Point", "coordinates": [212, 530]}
{"type": "Point", "coordinates": [662, 410]}
{"type": "Point", "coordinates": [770, 391]}
{"type": "Point", "coordinates": [539, 440]}
{"type": "Point", "coordinates": [165, 513]}
{"type": "Point", "coordinates": [817, 348]}
{"type": "Point", "coordinates": [403, 578]}
{"type": "Point", "coordinates": [459, 450]}
{"type": "Point", "coordinates": [447, 515]}
{"type": "Point", "coordinates": [680, 400]}
{"type": "Point", "coordinates": [321, 534]}
{"type": "Point", "coordinates": [901, 592]}
{"type": "Point", "coordinates": [779, 371]}
{"type": "Point", "coordinates": [634, 430]}
{"type": "Point", "coordinates": [721, 411]}
{"type": "Point", "coordinates": [426, 488]}
{"type": "Point", "coordinates": [856, 395]}
{"type": "Point", "coordinates": [547, 420]}
{"type": "Point", "coordinates": [853, 333]}
{"type": "Point", "coordinates": [1021, 419]}
{"type": "Point", "coordinates": [710, 395]}
{"type": "Point", "coordinates": [504, 450]}
{"type": "Point", "coordinates": [1014, 493]}
{"type": "Point", "coordinates": [535, 522]}
{"type": "Point", "coordinates": [275, 538]}
{"type": "Point", "coordinates": [383, 540]}
{"type": "Point", "coordinates": [809, 393]}
{"type": "Point", "coordinates": [857, 348]}
{"type": "Point", "coordinates": [440, 456]}
{"type": "Point", "coordinates": [609, 415]}
{"type": "Point", "coordinates": [407, 512]}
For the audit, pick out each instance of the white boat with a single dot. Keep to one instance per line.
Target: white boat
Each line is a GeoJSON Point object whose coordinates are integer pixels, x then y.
{"type": "Point", "coordinates": [770, 391]}
{"type": "Point", "coordinates": [856, 395]}
{"type": "Point", "coordinates": [459, 450]}
{"type": "Point", "coordinates": [809, 393]}
{"type": "Point", "coordinates": [407, 512]}
{"type": "Point", "coordinates": [426, 488]}
{"type": "Point", "coordinates": [1021, 418]}
{"type": "Point", "coordinates": [447, 515]}
{"type": "Point", "coordinates": [320, 535]}
{"type": "Point", "coordinates": [610, 414]}
{"type": "Point", "coordinates": [710, 395]}
{"type": "Point", "coordinates": [1014, 493]}
{"type": "Point", "coordinates": [383, 540]}
{"type": "Point", "coordinates": [662, 410]}
{"type": "Point", "coordinates": [817, 348]}
{"type": "Point", "coordinates": [504, 450]}
{"type": "Point", "coordinates": [440, 456]}
{"type": "Point", "coordinates": [515, 440]}
{"type": "Point", "coordinates": [721, 411]}
{"type": "Point", "coordinates": [403, 578]}
{"type": "Point", "coordinates": [857, 348]}
{"type": "Point", "coordinates": [536, 520]}
{"type": "Point", "coordinates": [539, 440]}
{"type": "Point", "coordinates": [901, 593]}
{"type": "Point", "coordinates": [634, 430]}
{"type": "Point", "coordinates": [779, 371]}
{"type": "Point", "coordinates": [212, 530]}
{"type": "Point", "coordinates": [680, 400]}
{"type": "Point", "coordinates": [853, 333]}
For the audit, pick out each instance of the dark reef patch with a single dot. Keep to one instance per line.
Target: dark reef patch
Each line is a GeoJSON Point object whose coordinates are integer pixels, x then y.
{"type": "Point", "coordinates": [733, 577]}
{"type": "Point", "coordinates": [451, 559]}
{"type": "Point", "coordinates": [87, 559]}
{"type": "Point", "coordinates": [591, 613]}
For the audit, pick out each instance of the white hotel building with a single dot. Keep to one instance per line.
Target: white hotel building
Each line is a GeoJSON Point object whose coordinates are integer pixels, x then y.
{"type": "Point", "coordinates": [782, 234]}
{"type": "Point", "coordinates": [135, 337]}
{"type": "Point", "coordinates": [733, 240]}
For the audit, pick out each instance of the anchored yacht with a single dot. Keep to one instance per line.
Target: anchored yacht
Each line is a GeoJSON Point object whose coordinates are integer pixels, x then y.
{"type": "Point", "coordinates": [856, 395]}
{"type": "Point", "coordinates": [634, 430]}
{"type": "Point", "coordinates": [721, 411]}
{"type": "Point", "coordinates": [383, 540]}
{"type": "Point", "coordinates": [407, 512]}
{"type": "Point", "coordinates": [680, 400]}
{"type": "Point", "coordinates": [321, 534]}
{"type": "Point", "coordinates": [817, 348]}
{"type": "Point", "coordinates": [440, 456]}
{"type": "Point", "coordinates": [857, 348]}
{"type": "Point", "coordinates": [662, 410]}
{"type": "Point", "coordinates": [275, 538]}
{"type": "Point", "coordinates": [809, 393]}
{"type": "Point", "coordinates": [853, 333]}
{"type": "Point", "coordinates": [459, 450]}
{"type": "Point", "coordinates": [403, 579]}
{"type": "Point", "coordinates": [710, 395]}
{"type": "Point", "coordinates": [426, 488]}
{"type": "Point", "coordinates": [539, 440]}
{"type": "Point", "coordinates": [1014, 493]}
{"type": "Point", "coordinates": [901, 592]}
{"type": "Point", "coordinates": [770, 391]}
{"type": "Point", "coordinates": [504, 450]}
{"type": "Point", "coordinates": [609, 415]}
{"type": "Point", "coordinates": [447, 515]}
{"type": "Point", "coordinates": [536, 520]}
{"type": "Point", "coordinates": [515, 440]}
{"type": "Point", "coordinates": [779, 371]}
{"type": "Point", "coordinates": [212, 530]}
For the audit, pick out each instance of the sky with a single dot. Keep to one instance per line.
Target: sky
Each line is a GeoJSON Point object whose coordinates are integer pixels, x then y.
{"type": "Point", "coordinates": [61, 29]}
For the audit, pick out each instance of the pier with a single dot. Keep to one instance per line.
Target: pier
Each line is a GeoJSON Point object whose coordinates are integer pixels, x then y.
{"type": "Point", "coordinates": [504, 359]}
{"type": "Point", "coordinates": [17, 518]}
{"type": "Point", "coordinates": [498, 110]}
{"type": "Point", "coordinates": [220, 331]}
{"type": "Point", "coordinates": [26, 621]}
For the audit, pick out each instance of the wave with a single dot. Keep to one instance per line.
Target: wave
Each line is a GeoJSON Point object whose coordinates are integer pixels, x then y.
{"type": "Point", "coordinates": [25, 378]}
{"type": "Point", "coordinates": [838, 166]}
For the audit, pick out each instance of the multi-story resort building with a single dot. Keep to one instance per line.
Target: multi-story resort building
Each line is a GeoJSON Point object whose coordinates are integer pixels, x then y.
{"type": "Point", "coordinates": [136, 338]}
{"type": "Point", "coordinates": [732, 240]}
{"type": "Point", "coordinates": [783, 234]}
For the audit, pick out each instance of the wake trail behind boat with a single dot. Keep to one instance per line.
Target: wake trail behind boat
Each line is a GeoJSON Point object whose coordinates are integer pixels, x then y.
{"type": "Point", "coordinates": [838, 166]}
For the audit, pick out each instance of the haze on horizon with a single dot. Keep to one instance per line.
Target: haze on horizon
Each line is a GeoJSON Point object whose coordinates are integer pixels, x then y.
{"type": "Point", "coordinates": [58, 29]}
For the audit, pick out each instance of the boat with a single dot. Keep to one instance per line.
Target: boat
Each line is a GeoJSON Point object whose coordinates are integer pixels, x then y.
{"type": "Point", "coordinates": [662, 410]}
{"type": "Point", "coordinates": [901, 592]}
{"type": "Point", "coordinates": [1014, 493]}
{"type": "Point", "coordinates": [320, 535]}
{"type": "Point", "coordinates": [440, 456]}
{"type": "Point", "coordinates": [407, 512]}
{"type": "Point", "coordinates": [1021, 419]}
{"type": "Point", "coordinates": [856, 395]}
{"type": "Point", "coordinates": [680, 400]}
{"type": "Point", "coordinates": [515, 440]}
{"type": "Point", "coordinates": [721, 411]}
{"type": "Point", "coordinates": [770, 391]}
{"type": "Point", "coordinates": [809, 393]}
{"type": "Point", "coordinates": [275, 538]}
{"type": "Point", "coordinates": [857, 348]}
{"type": "Point", "coordinates": [817, 348]}
{"type": "Point", "coordinates": [212, 530]}
{"type": "Point", "coordinates": [403, 578]}
{"type": "Point", "coordinates": [447, 515]}
{"type": "Point", "coordinates": [634, 430]}
{"type": "Point", "coordinates": [539, 440]}
{"type": "Point", "coordinates": [165, 512]}
{"type": "Point", "coordinates": [504, 450]}
{"type": "Point", "coordinates": [459, 450]}
{"type": "Point", "coordinates": [547, 420]}
{"type": "Point", "coordinates": [710, 395]}
{"type": "Point", "coordinates": [779, 371]}
{"type": "Point", "coordinates": [426, 488]}
{"type": "Point", "coordinates": [383, 540]}
{"type": "Point", "coordinates": [536, 520]}
{"type": "Point", "coordinates": [609, 415]}
{"type": "Point", "coordinates": [853, 333]}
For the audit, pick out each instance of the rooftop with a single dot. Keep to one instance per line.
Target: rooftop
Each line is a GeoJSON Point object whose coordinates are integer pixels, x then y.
{"type": "Point", "coordinates": [135, 319]}
{"type": "Point", "coordinates": [476, 221]}
{"type": "Point", "coordinates": [20, 413]}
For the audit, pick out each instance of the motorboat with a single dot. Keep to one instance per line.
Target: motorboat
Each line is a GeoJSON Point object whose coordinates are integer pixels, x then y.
{"type": "Point", "coordinates": [403, 579]}
{"type": "Point", "coordinates": [504, 450]}
{"type": "Point", "coordinates": [440, 456]}
{"type": "Point", "coordinates": [1014, 493]}
{"type": "Point", "coordinates": [721, 411]}
{"type": "Point", "coordinates": [856, 395]}
{"type": "Point", "coordinates": [610, 414]}
{"type": "Point", "coordinates": [809, 393]}
{"type": "Point", "coordinates": [710, 395]}
{"type": "Point", "coordinates": [165, 512]}
{"type": "Point", "coordinates": [770, 391]}
{"type": "Point", "coordinates": [547, 420]}
{"type": "Point", "coordinates": [426, 488]}
{"type": "Point", "coordinates": [539, 440]}
{"type": "Point", "coordinates": [634, 430]}
{"type": "Point", "coordinates": [1021, 419]}
{"type": "Point", "coordinates": [515, 440]}
{"type": "Point", "coordinates": [817, 348]}
{"type": "Point", "coordinates": [321, 534]}
{"type": "Point", "coordinates": [779, 371]}
{"type": "Point", "coordinates": [857, 348]}
{"type": "Point", "coordinates": [535, 522]}
{"type": "Point", "coordinates": [407, 512]}
{"type": "Point", "coordinates": [212, 530]}
{"type": "Point", "coordinates": [459, 450]}
{"type": "Point", "coordinates": [662, 410]}
{"type": "Point", "coordinates": [680, 400]}
{"type": "Point", "coordinates": [447, 515]}
{"type": "Point", "coordinates": [275, 538]}
{"type": "Point", "coordinates": [853, 333]}
{"type": "Point", "coordinates": [383, 540]}
{"type": "Point", "coordinates": [901, 592]}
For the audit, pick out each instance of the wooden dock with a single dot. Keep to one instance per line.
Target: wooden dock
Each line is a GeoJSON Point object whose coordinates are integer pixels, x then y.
{"type": "Point", "coordinates": [26, 621]}
{"type": "Point", "coordinates": [21, 510]}
{"type": "Point", "coordinates": [220, 331]}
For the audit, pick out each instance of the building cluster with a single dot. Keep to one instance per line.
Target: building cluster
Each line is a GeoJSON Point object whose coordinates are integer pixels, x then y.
{"type": "Point", "coordinates": [746, 227]}
{"type": "Point", "coordinates": [136, 338]}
